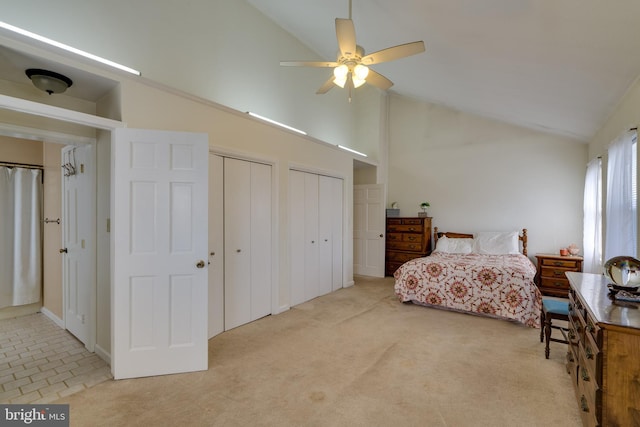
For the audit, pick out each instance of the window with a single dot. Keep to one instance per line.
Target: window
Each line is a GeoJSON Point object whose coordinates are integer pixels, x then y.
{"type": "Point", "coordinates": [621, 202]}
{"type": "Point", "coordinates": [592, 237]}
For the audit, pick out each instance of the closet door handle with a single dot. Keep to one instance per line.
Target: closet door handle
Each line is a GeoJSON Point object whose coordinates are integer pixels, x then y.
{"type": "Point", "coordinates": [63, 251]}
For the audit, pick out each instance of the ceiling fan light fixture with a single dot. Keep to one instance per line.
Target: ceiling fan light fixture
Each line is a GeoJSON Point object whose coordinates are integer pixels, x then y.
{"type": "Point", "coordinates": [361, 71]}
{"type": "Point", "coordinates": [340, 73]}
{"type": "Point", "coordinates": [48, 81]}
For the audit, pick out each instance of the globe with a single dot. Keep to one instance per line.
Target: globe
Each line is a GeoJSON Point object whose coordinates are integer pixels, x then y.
{"type": "Point", "coordinates": [623, 271]}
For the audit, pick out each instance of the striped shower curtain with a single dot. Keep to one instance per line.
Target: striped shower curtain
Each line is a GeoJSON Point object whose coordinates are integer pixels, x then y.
{"type": "Point", "coordinates": [20, 236]}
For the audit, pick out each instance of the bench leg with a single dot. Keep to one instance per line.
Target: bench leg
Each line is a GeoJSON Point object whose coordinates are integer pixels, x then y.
{"type": "Point", "coordinates": [547, 334]}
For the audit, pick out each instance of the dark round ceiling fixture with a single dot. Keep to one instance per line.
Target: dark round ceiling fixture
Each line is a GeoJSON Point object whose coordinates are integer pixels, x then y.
{"type": "Point", "coordinates": [48, 81]}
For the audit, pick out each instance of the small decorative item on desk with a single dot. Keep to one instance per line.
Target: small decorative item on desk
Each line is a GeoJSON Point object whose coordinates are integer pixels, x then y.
{"type": "Point", "coordinates": [624, 273]}
{"type": "Point", "coordinates": [394, 211]}
{"type": "Point", "coordinates": [573, 249]}
{"type": "Point", "coordinates": [564, 252]}
{"type": "Point", "coordinates": [423, 206]}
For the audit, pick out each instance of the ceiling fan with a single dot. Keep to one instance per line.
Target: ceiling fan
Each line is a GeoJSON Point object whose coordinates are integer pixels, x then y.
{"type": "Point", "coordinates": [351, 68]}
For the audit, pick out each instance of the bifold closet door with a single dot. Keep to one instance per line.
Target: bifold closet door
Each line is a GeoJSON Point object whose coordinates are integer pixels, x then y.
{"type": "Point", "coordinates": [330, 233]}
{"type": "Point", "coordinates": [316, 235]}
{"type": "Point", "coordinates": [247, 241]}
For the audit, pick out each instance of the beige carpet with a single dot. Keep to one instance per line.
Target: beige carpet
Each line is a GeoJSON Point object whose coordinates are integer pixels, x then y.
{"type": "Point", "coordinates": [356, 357]}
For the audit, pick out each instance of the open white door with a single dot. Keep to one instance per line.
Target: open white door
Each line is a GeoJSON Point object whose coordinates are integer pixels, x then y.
{"type": "Point", "coordinates": [159, 252]}
{"type": "Point", "coordinates": [79, 251]}
{"type": "Point", "coordinates": [368, 230]}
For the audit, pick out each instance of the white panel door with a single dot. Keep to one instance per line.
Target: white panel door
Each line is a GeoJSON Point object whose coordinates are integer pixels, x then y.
{"type": "Point", "coordinates": [337, 209]}
{"type": "Point", "coordinates": [261, 239]}
{"type": "Point", "coordinates": [159, 252]}
{"type": "Point", "coordinates": [368, 230]}
{"type": "Point", "coordinates": [216, 245]}
{"type": "Point", "coordinates": [325, 235]}
{"type": "Point", "coordinates": [78, 224]}
{"type": "Point", "coordinates": [311, 250]}
{"type": "Point", "coordinates": [247, 241]}
{"type": "Point", "coordinates": [330, 234]}
{"type": "Point", "coordinates": [237, 242]}
{"type": "Point", "coordinates": [297, 237]}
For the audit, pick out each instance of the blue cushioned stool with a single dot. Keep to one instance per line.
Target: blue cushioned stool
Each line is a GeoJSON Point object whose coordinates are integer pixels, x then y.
{"type": "Point", "coordinates": [553, 309]}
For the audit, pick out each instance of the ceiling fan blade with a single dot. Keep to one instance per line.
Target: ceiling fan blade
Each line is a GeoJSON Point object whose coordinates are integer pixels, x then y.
{"type": "Point", "coordinates": [393, 53]}
{"type": "Point", "coordinates": [378, 80]}
{"type": "Point", "coordinates": [326, 86]}
{"type": "Point", "coordinates": [346, 34]}
{"type": "Point", "coordinates": [308, 64]}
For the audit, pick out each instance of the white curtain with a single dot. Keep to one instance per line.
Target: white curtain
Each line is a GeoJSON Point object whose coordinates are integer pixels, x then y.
{"type": "Point", "coordinates": [621, 221]}
{"type": "Point", "coordinates": [20, 236]}
{"type": "Point", "coordinates": [592, 235]}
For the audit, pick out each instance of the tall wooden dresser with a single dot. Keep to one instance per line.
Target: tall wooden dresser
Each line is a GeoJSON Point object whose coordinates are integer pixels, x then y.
{"type": "Point", "coordinates": [407, 238]}
{"type": "Point", "coordinates": [603, 357]}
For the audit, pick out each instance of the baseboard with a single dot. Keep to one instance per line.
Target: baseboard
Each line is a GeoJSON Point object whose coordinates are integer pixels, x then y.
{"type": "Point", "coordinates": [283, 308]}
{"type": "Point", "coordinates": [349, 284]}
{"type": "Point", "coordinates": [58, 321]}
{"type": "Point", "coordinates": [102, 354]}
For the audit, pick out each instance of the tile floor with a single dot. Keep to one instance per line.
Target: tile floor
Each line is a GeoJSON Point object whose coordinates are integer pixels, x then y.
{"type": "Point", "coordinates": [40, 363]}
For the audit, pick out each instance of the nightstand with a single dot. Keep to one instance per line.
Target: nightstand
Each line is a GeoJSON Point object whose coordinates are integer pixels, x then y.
{"type": "Point", "coordinates": [551, 278]}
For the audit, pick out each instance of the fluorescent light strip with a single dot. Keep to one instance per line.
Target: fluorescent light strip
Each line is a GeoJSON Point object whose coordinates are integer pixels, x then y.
{"type": "Point", "coordinates": [351, 150]}
{"type": "Point", "coordinates": [276, 123]}
{"type": "Point", "coordinates": [68, 48]}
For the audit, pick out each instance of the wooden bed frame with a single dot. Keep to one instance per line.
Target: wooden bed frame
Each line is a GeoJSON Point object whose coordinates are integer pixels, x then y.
{"type": "Point", "coordinates": [453, 235]}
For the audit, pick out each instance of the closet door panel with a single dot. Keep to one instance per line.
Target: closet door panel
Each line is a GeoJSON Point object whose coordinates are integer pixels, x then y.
{"type": "Point", "coordinates": [325, 231]}
{"type": "Point", "coordinates": [311, 252]}
{"type": "Point", "coordinates": [237, 252]}
{"type": "Point", "coordinates": [337, 209]}
{"type": "Point", "coordinates": [260, 240]}
{"type": "Point", "coordinates": [297, 237]}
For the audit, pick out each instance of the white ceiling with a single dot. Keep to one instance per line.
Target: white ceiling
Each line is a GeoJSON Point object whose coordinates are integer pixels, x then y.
{"type": "Point", "coordinates": [555, 65]}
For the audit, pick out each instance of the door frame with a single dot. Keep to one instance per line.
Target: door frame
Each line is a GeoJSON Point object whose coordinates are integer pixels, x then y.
{"type": "Point", "coordinates": [69, 116]}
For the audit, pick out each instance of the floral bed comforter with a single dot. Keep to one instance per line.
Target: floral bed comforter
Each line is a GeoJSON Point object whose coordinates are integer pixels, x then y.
{"type": "Point", "coordinates": [499, 286]}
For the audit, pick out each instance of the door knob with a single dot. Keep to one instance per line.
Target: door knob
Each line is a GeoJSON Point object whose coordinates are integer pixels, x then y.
{"type": "Point", "coordinates": [63, 251]}
{"type": "Point", "coordinates": [381, 235]}
{"type": "Point", "coordinates": [200, 264]}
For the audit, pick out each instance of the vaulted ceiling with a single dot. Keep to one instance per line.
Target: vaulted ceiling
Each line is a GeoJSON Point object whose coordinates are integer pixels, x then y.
{"type": "Point", "coordinates": [555, 65]}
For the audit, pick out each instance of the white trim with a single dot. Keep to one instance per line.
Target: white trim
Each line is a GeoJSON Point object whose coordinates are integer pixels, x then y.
{"type": "Point", "coordinates": [35, 134]}
{"type": "Point", "coordinates": [102, 354]}
{"type": "Point", "coordinates": [57, 113]}
{"type": "Point", "coordinates": [58, 321]}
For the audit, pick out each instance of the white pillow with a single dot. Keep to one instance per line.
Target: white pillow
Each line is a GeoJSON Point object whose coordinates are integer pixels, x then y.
{"type": "Point", "coordinates": [497, 243]}
{"type": "Point", "coordinates": [454, 246]}
{"type": "Point", "coordinates": [442, 245]}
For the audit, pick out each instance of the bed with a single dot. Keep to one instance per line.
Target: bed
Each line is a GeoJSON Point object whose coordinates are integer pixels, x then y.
{"type": "Point", "coordinates": [484, 274]}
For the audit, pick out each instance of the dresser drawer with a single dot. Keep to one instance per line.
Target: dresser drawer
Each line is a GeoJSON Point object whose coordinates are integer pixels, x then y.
{"type": "Point", "coordinates": [558, 284]}
{"type": "Point", "coordinates": [404, 246]}
{"type": "Point", "coordinates": [401, 257]}
{"type": "Point", "coordinates": [563, 263]}
{"type": "Point", "coordinates": [554, 273]}
{"type": "Point", "coordinates": [404, 228]}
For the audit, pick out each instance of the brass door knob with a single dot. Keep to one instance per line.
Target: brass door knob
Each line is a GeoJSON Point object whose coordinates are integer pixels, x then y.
{"type": "Point", "coordinates": [63, 251]}
{"type": "Point", "coordinates": [200, 264]}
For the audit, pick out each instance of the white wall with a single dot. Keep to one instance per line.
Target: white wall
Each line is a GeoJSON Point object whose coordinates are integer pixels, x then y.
{"type": "Point", "coordinates": [483, 175]}
{"type": "Point", "coordinates": [223, 50]}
